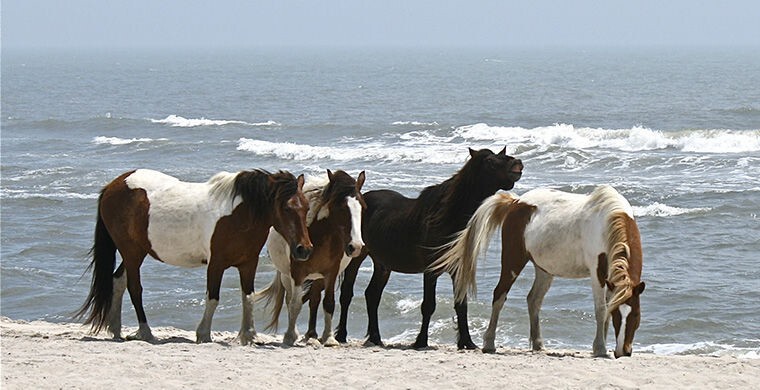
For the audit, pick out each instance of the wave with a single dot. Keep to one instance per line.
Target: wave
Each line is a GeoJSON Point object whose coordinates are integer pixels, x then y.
{"type": "Point", "coordinates": [702, 348]}
{"type": "Point", "coordinates": [414, 123]}
{"type": "Point", "coordinates": [371, 151]}
{"type": "Point", "coordinates": [123, 141]}
{"type": "Point", "coordinates": [628, 140]}
{"type": "Point", "coordinates": [20, 194]}
{"type": "Point", "coordinates": [660, 210]}
{"type": "Point", "coordinates": [178, 121]}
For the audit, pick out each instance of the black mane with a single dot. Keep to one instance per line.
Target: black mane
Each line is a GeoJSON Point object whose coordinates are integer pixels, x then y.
{"type": "Point", "coordinates": [260, 189]}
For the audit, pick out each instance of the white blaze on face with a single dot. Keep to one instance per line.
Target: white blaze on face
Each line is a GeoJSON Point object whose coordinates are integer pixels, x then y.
{"type": "Point", "coordinates": [624, 311]}
{"type": "Point", "coordinates": [355, 208]}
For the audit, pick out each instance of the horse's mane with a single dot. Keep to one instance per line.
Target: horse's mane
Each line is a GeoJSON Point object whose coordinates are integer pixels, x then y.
{"type": "Point", "coordinates": [610, 202]}
{"type": "Point", "coordinates": [258, 188]}
{"type": "Point", "coordinates": [318, 188]}
{"type": "Point", "coordinates": [448, 197]}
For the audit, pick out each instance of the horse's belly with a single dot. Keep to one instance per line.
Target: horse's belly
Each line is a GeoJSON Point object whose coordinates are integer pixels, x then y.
{"type": "Point", "coordinates": [181, 241]}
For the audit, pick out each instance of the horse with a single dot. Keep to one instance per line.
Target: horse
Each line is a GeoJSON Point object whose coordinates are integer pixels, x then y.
{"type": "Point", "coordinates": [401, 235]}
{"type": "Point", "coordinates": [221, 223]}
{"type": "Point", "coordinates": [334, 220]}
{"type": "Point", "coordinates": [566, 235]}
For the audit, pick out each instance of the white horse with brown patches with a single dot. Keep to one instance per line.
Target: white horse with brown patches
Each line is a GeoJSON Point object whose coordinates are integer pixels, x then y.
{"type": "Point", "coordinates": [219, 224]}
{"type": "Point", "coordinates": [563, 234]}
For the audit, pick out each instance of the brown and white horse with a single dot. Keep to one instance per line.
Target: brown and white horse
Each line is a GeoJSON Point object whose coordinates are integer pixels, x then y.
{"type": "Point", "coordinates": [221, 223]}
{"type": "Point", "coordinates": [335, 219]}
{"type": "Point", "coordinates": [565, 235]}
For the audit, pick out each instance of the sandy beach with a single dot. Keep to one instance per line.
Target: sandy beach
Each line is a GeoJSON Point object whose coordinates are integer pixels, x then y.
{"type": "Point", "coordinates": [62, 356]}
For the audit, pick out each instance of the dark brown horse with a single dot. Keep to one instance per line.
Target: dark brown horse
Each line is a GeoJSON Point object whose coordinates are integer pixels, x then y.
{"type": "Point", "coordinates": [334, 220]}
{"type": "Point", "coordinates": [402, 234]}
{"type": "Point", "coordinates": [221, 223]}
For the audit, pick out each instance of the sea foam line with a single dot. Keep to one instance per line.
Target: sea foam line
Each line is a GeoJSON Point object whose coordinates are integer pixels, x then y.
{"type": "Point", "coordinates": [657, 209]}
{"type": "Point", "coordinates": [123, 141]}
{"type": "Point", "coordinates": [630, 140]}
{"type": "Point", "coordinates": [178, 121]}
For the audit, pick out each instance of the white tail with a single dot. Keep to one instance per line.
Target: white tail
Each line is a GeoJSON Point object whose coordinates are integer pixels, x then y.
{"type": "Point", "coordinates": [274, 292]}
{"type": "Point", "coordinates": [459, 258]}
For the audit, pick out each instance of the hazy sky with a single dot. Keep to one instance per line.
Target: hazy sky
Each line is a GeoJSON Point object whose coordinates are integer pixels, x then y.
{"type": "Point", "coordinates": [173, 23]}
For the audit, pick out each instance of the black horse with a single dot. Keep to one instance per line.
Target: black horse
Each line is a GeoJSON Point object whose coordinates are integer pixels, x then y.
{"type": "Point", "coordinates": [403, 234]}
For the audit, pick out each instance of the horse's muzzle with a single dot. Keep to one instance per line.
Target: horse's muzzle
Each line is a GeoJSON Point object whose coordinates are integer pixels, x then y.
{"type": "Point", "coordinates": [354, 250]}
{"type": "Point", "coordinates": [302, 253]}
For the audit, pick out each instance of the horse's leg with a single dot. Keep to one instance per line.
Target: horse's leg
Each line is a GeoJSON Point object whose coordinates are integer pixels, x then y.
{"type": "Point", "coordinates": [314, 297]}
{"type": "Point", "coordinates": [247, 273]}
{"type": "Point", "coordinates": [328, 304]}
{"type": "Point", "coordinates": [346, 294]}
{"type": "Point", "coordinates": [428, 308]}
{"type": "Point", "coordinates": [213, 284]}
{"type": "Point", "coordinates": [510, 269]}
{"type": "Point", "coordinates": [114, 315]}
{"type": "Point", "coordinates": [541, 285]}
{"type": "Point", "coordinates": [602, 319]}
{"type": "Point", "coordinates": [293, 297]}
{"type": "Point", "coordinates": [464, 340]}
{"type": "Point", "coordinates": [132, 265]}
{"type": "Point", "coordinates": [372, 295]}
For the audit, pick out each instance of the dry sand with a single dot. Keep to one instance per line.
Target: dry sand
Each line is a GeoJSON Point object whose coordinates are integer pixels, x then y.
{"type": "Point", "coordinates": [37, 355]}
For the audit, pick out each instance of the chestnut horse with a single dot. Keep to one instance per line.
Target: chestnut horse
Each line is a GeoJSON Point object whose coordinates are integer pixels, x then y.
{"type": "Point", "coordinates": [403, 235]}
{"type": "Point", "coordinates": [221, 223]}
{"type": "Point", "coordinates": [565, 235]}
{"type": "Point", "coordinates": [335, 216]}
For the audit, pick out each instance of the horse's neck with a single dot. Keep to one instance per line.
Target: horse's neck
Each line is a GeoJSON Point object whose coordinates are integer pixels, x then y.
{"type": "Point", "coordinates": [456, 201]}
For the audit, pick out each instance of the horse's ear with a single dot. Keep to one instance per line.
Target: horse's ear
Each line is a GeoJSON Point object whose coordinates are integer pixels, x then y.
{"type": "Point", "coordinates": [472, 152]}
{"type": "Point", "coordinates": [639, 288]}
{"type": "Point", "coordinates": [300, 181]}
{"type": "Point", "coordinates": [503, 151]}
{"type": "Point", "coordinates": [360, 181]}
{"type": "Point", "coordinates": [329, 175]}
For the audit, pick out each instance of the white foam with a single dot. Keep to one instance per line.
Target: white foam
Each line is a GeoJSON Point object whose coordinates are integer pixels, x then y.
{"type": "Point", "coordinates": [702, 348]}
{"type": "Point", "coordinates": [661, 210]}
{"type": "Point", "coordinates": [20, 194]}
{"type": "Point", "coordinates": [408, 305]}
{"type": "Point", "coordinates": [123, 141]}
{"type": "Point", "coordinates": [178, 121]}
{"type": "Point", "coordinates": [414, 123]}
{"type": "Point", "coordinates": [411, 151]}
{"type": "Point", "coordinates": [630, 140]}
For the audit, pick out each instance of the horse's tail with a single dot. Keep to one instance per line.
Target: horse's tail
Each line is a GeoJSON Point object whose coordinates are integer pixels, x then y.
{"type": "Point", "coordinates": [459, 258]}
{"type": "Point", "coordinates": [274, 292]}
{"type": "Point", "coordinates": [98, 302]}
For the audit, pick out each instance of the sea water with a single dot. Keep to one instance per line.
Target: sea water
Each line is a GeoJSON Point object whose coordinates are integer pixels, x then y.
{"type": "Point", "coordinates": [676, 131]}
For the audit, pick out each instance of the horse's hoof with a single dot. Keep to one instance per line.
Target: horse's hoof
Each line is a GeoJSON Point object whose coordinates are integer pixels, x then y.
{"type": "Point", "coordinates": [371, 343]}
{"type": "Point", "coordinates": [289, 339]}
{"type": "Point", "coordinates": [489, 350]}
{"type": "Point", "coordinates": [341, 338]}
{"type": "Point", "coordinates": [420, 345]}
{"type": "Point", "coordinates": [330, 342]}
{"type": "Point", "coordinates": [468, 345]}
{"type": "Point", "coordinates": [140, 336]}
{"type": "Point", "coordinates": [249, 338]}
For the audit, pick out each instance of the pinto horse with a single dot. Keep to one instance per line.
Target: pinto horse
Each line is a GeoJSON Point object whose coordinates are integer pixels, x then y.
{"type": "Point", "coordinates": [335, 216]}
{"type": "Point", "coordinates": [221, 223]}
{"type": "Point", "coordinates": [402, 235]}
{"type": "Point", "coordinates": [565, 235]}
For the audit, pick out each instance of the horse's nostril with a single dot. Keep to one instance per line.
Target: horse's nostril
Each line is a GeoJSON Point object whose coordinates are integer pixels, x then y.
{"type": "Point", "coordinates": [302, 253]}
{"type": "Point", "coordinates": [350, 249]}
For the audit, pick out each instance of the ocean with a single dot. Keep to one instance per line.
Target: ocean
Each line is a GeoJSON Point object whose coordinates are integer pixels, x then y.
{"type": "Point", "coordinates": [675, 130]}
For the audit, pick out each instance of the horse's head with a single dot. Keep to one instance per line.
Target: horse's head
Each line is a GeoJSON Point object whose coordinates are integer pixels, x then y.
{"type": "Point", "coordinates": [343, 200]}
{"type": "Point", "coordinates": [625, 321]}
{"type": "Point", "coordinates": [290, 211]}
{"type": "Point", "coordinates": [502, 169]}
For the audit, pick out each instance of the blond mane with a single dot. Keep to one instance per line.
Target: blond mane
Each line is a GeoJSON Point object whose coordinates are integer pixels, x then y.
{"type": "Point", "coordinates": [609, 201]}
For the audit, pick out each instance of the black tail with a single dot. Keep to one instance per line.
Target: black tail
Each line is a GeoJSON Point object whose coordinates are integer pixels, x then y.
{"type": "Point", "coordinates": [98, 302]}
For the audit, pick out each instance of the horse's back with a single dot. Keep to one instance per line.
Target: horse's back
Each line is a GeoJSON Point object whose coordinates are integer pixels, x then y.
{"type": "Point", "coordinates": [563, 235]}
{"type": "Point", "coordinates": [391, 231]}
{"type": "Point", "coordinates": [181, 217]}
